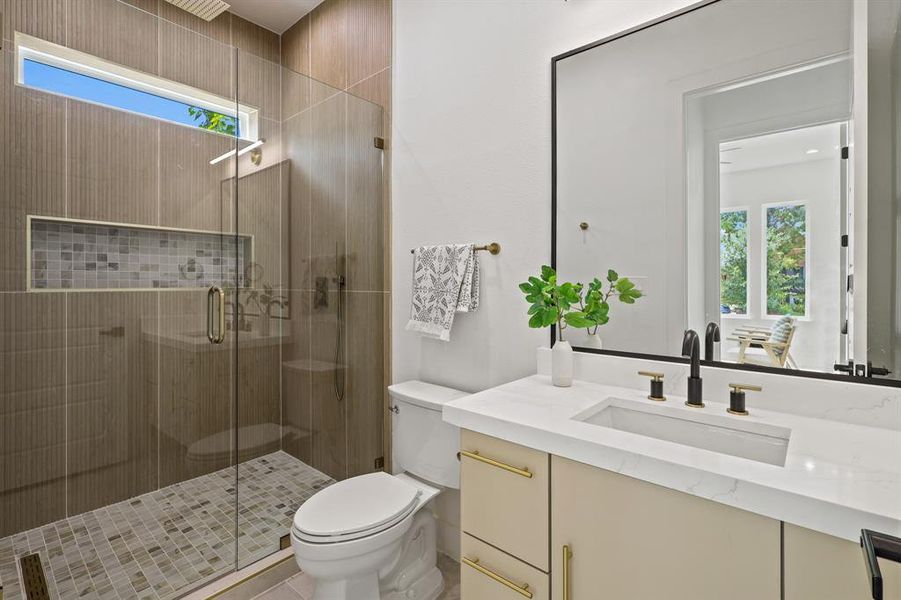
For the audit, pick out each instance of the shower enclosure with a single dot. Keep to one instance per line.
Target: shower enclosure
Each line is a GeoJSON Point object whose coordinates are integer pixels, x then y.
{"type": "Point", "coordinates": [154, 433]}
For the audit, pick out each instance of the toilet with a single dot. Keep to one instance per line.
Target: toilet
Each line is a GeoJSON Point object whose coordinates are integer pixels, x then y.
{"type": "Point", "coordinates": [372, 537]}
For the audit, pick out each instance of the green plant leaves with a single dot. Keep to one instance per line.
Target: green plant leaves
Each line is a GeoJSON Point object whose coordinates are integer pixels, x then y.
{"type": "Point", "coordinates": [544, 317]}
{"type": "Point", "coordinates": [579, 319]}
{"type": "Point", "coordinates": [569, 295]}
{"type": "Point", "coordinates": [547, 301]}
{"type": "Point", "coordinates": [548, 273]}
{"type": "Point", "coordinates": [627, 291]}
{"type": "Point", "coordinates": [549, 316]}
{"type": "Point", "coordinates": [574, 304]}
{"type": "Point", "coordinates": [213, 121]}
{"type": "Point", "coordinates": [533, 289]}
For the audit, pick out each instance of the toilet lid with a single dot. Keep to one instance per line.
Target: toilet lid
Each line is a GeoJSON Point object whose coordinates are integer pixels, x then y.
{"type": "Point", "coordinates": [356, 506]}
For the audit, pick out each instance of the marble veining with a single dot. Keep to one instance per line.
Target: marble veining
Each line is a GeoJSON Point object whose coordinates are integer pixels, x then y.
{"type": "Point", "coordinates": [838, 477]}
{"type": "Point", "coordinates": [835, 400]}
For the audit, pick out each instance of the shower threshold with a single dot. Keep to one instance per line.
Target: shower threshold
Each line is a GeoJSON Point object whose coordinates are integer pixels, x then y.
{"type": "Point", "coordinates": [165, 543]}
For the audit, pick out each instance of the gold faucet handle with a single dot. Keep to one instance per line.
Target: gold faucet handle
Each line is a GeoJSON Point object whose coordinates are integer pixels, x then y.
{"type": "Point", "coordinates": [737, 398]}
{"type": "Point", "coordinates": [654, 376]}
{"type": "Point", "coordinates": [656, 385]}
{"type": "Point", "coordinates": [745, 387]}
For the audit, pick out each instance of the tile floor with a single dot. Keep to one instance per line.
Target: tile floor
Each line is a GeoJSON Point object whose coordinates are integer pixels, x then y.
{"type": "Point", "coordinates": [300, 587]}
{"type": "Point", "coordinates": [159, 545]}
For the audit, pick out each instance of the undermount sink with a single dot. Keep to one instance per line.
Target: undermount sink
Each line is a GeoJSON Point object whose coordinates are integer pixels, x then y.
{"type": "Point", "coordinates": [718, 433]}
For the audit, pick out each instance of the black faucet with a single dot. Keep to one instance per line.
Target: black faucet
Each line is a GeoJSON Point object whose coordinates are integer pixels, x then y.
{"type": "Point", "coordinates": [691, 347]}
{"type": "Point", "coordinates": [712, 335]}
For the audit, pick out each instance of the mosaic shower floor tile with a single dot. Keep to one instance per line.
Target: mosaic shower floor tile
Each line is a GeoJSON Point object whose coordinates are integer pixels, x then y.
{"type": "Point", "coordinates": [162, 544]}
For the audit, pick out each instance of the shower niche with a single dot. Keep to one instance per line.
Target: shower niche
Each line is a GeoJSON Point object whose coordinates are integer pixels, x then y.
{"type": "Point", "coordinates": [77, 255]}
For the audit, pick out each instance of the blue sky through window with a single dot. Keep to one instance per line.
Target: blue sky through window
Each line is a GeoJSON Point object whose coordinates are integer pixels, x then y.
{"type": "Point", "coordinates": [69, 83]}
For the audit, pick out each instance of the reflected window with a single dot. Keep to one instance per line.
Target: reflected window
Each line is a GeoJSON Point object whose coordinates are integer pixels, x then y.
{"type": "Point", "coordinates": [786, 259]}
{"type": "Point", "coordinates": [734, 262]}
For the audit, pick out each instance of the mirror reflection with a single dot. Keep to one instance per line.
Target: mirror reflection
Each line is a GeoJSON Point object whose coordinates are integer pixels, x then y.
{"type": "Point", "coordinates": [737, 162]}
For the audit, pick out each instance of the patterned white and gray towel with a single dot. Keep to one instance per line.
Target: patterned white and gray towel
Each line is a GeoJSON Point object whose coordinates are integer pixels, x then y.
{"type": "Point", "coordinates": [445, 282]}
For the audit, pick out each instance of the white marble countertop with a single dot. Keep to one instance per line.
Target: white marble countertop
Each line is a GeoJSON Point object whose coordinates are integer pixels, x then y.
{"type": "Point", "coordinates": [838, 478]}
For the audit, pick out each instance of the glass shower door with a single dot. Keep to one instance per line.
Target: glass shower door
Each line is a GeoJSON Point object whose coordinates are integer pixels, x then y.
{"type": "Point", "coordinates": [117, 413]}
{"type": "Point", "coordinates": [311, 353]}
{"type": "Point", "coordinates": [197, 336]}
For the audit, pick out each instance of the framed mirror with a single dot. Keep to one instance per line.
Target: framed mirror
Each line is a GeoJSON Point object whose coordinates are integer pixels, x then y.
{"type": "Point", "coordinates": [737, 162]}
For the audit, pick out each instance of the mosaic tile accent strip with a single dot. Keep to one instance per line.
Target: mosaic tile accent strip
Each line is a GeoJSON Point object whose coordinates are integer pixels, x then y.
{"type": "Point", "coordinates": [74, 255]}
{"type": "Point", "coordinates": [160, 545]}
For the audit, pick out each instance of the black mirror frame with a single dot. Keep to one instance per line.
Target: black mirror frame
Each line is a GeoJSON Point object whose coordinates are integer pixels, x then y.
{"type": "Point", "coordinates": [648, 356]}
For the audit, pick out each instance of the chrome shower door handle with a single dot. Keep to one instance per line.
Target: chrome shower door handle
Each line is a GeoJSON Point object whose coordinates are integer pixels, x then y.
{"type": "Point", "coordinates": [210, 293]}
{"type": "Point", "coordinates": [211, 296]}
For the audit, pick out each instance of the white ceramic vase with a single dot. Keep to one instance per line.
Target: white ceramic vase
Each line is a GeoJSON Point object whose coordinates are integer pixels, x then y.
{"type": "Point", "coordinates": [594, 341]}
{"type": "Point", "coordinates": [562, 364]}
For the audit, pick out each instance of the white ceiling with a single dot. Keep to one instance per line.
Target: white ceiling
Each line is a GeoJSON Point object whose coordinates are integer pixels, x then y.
{"type": "Point", "coordinates": [783, 148]}
{"type": "Point", "coordinates": [275, 15]}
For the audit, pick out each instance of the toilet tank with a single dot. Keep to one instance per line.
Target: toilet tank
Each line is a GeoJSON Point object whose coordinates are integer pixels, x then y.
{"type": "Point", "coordinates": [424, 445]}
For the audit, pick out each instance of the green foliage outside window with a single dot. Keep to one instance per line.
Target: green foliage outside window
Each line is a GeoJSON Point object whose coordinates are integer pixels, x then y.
{"type": "Point", "coordinates": [734, 262]}
{"type": "Point", "coordinates": [214, 121]}
{"type": "Point", "coordinates": [786, 257]}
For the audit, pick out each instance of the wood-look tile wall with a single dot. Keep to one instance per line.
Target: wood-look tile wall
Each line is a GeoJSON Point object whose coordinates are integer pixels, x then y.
{"type": "Point", "coordinates": [335, 227]}
{"type": "Point", "coordinates": [93, 409]}
{"type": "Point", "coordinates": [336, 98]}
{"type": "Point", "coordinates": [345, 44]}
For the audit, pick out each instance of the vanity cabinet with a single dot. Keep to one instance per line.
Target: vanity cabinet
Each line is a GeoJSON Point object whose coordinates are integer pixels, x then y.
{"type": "Point", "coordinates": [504, 497]}
{"type": "Point", "coordinates": [828, 568]}
{"type": "Point", "coordinates": [490, 574]}
{"type": "Point", "coordinates": [549, 528]}
{"type": "Point", "coordinates": [632, 539]}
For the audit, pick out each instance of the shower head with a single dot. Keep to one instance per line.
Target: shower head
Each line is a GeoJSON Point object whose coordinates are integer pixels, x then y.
{"type": "Point", "coordinates": [205, 9]}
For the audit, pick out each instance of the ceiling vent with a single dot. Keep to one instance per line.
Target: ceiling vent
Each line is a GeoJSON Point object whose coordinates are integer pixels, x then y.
{"type": "Point", "coordinates": [205, 9]}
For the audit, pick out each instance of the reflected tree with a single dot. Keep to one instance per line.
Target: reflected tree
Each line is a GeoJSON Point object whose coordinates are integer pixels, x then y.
{"type": "Point", "coordinates": [786, 258]}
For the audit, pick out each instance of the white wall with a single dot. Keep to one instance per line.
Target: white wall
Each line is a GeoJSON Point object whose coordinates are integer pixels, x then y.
{"type": "Point", "coordinates": [471, 162]}
{"type": "Point", "coordinates": [471, 144]}
{"type": "Point", "coordinates": [817, 183]}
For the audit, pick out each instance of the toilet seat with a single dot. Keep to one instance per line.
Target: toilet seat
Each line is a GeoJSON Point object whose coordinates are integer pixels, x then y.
{"type": "Point", "coordinates": [356, 508]}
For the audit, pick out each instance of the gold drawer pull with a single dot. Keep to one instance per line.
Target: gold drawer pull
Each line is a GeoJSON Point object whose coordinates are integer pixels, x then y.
{"type": "Point", "coordinates": [567, 575]}
{"type": "Point", "coordinates": [521, 589]}
{"type": "Point", "coordinates": [476, 456]}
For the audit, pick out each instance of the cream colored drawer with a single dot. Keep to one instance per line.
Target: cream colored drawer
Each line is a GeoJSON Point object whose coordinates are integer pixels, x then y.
{"type": "Point", "coordinates": [486, 573]}
{"type": "Point", "coordinates": [505, 496]}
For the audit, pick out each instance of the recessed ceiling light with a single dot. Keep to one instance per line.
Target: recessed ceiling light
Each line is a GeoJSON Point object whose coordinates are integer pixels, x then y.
{"type": "Point", "coordinates": [812, 151]}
